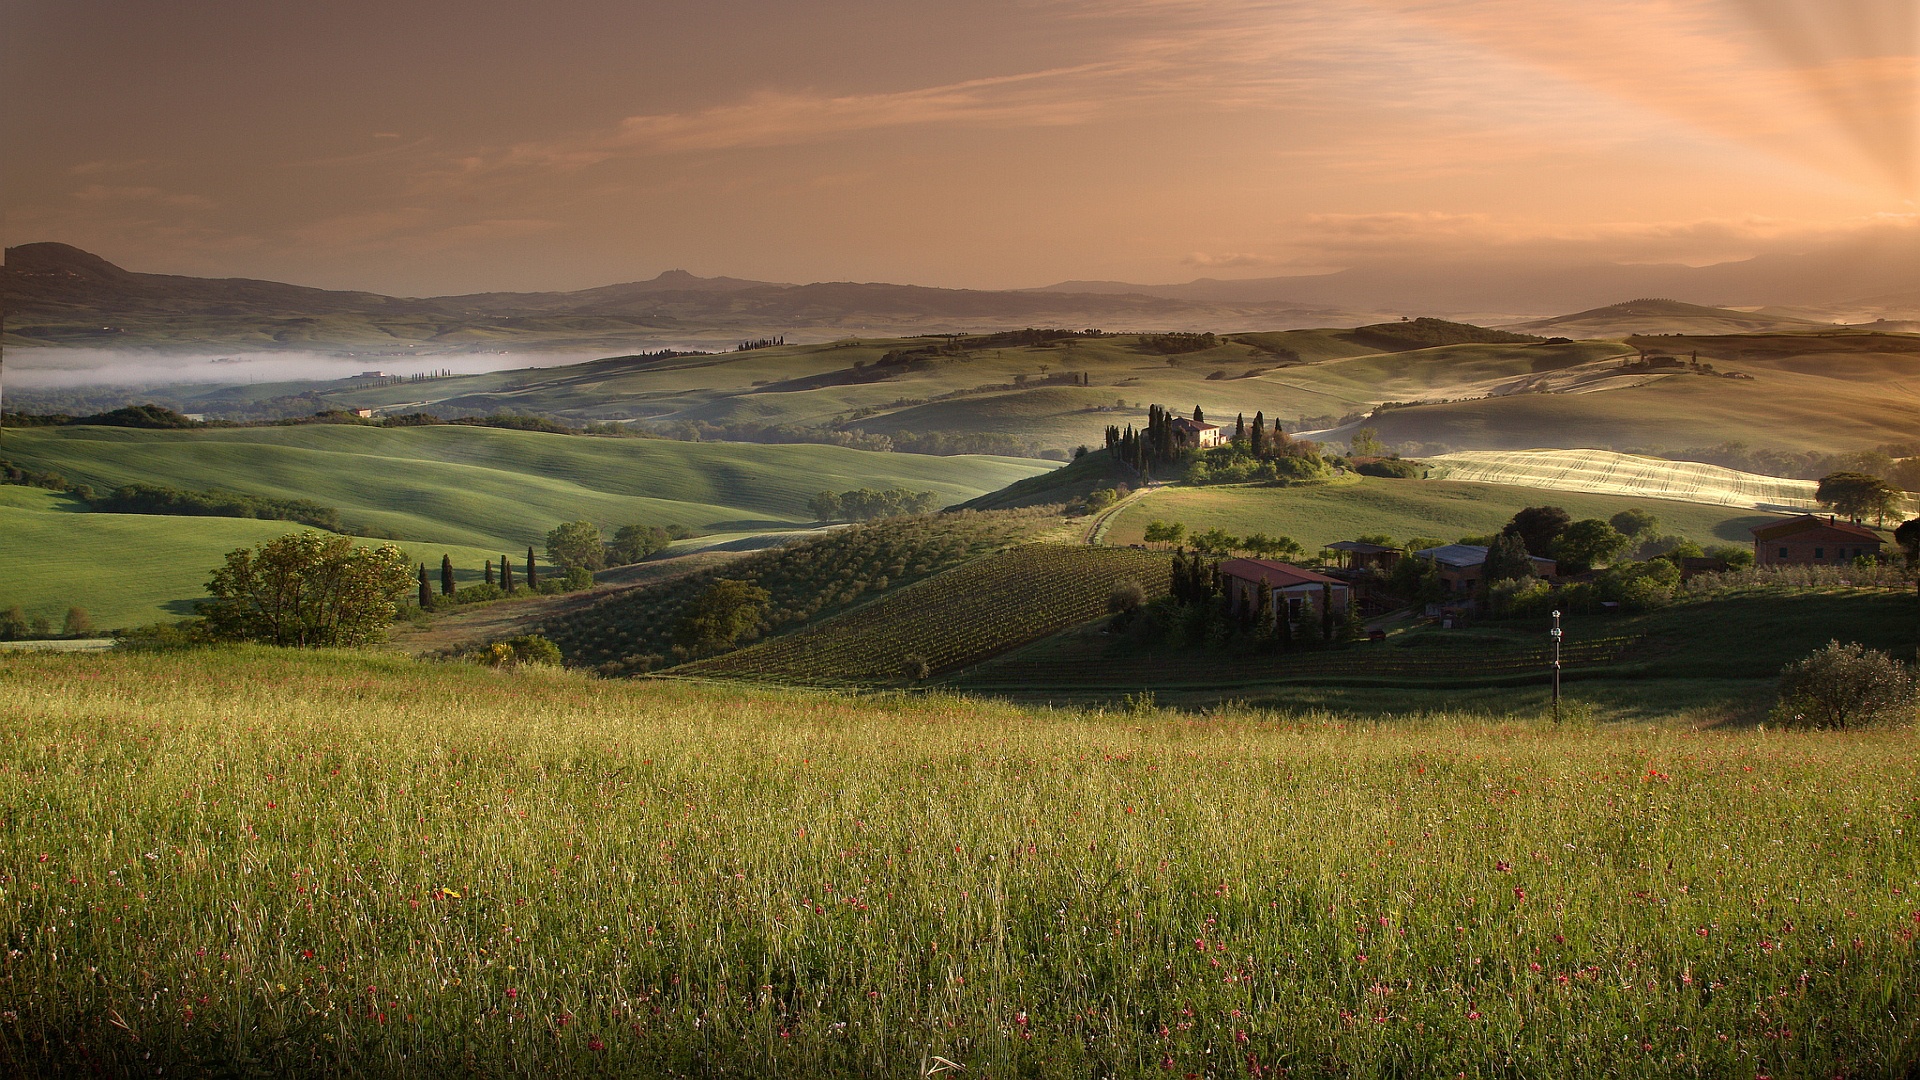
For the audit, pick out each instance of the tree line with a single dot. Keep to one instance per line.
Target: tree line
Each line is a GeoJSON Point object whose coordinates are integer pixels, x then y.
{"type": "Point", "coordinates": [866, 504]}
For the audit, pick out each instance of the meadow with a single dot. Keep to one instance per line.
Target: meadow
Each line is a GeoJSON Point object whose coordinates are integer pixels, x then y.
{"type": "Point", "coordinates": [1323, 513]}
{"type": "Point", "coordinates": [1602, 472]}
{"type": "Point", "coordinates": [253, 862]}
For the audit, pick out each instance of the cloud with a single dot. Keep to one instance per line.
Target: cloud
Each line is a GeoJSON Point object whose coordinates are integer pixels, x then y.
{"type": "Point", "coordinates": [1232, 260]}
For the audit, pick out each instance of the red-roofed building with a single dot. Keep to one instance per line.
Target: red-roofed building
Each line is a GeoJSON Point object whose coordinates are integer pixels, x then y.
{"type": "Point", "coordinates": [1811, 540]}
{"type": "Point", "coordinates": [1291, 587]}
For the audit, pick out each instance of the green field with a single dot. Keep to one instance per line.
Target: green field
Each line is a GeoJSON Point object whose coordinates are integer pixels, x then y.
{"type": "Point", "coordinates": [249, 862]}
{"type": "Point", "coordinates": [1320, 514]}
{"type": "Point", "coordinates": [1601, 472]}
{"type": "Point", "coordinates": [131, 569]}
{"type": "Point", "coordinates": [954, 619]}
{"type": "Point", "coordinates": [473, 493]}
{"type": "Point", "coordinates": [501, 489]}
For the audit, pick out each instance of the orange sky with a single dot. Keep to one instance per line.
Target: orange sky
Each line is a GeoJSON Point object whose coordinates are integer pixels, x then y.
{"type": "Point", "coordinates": [432, 147]}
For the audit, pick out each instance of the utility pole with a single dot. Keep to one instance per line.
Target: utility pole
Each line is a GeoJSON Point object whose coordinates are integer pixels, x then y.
{"type": "Point", "coordinates": [1555, 634]}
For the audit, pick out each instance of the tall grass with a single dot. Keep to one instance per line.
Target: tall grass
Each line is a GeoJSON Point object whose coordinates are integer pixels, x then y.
{"type": "Point", "coordinates": [258, 862]}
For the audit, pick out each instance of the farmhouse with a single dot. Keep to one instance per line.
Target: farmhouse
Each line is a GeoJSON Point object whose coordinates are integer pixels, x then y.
{"type": "Point", "coordinates": [1291, 587]}
{"type": "Point", "coordinates": [1196, 433]}
{"type": "Point", "coordinates": [1462, 567]}
{"type": "Point", "coordinates": [1811, 540]}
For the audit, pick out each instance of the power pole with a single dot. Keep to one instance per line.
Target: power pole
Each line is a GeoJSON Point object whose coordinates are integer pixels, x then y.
{"type": "Point", "coordinates": [1555, 634]}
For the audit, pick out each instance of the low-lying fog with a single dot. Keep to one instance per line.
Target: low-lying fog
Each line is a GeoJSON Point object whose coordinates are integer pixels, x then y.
{"type": "Point", "coordinates": [31, 369]}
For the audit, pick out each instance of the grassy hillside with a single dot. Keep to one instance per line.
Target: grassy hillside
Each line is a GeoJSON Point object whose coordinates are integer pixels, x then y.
{"type": "Point", "coordinates": [1320, 514]}
{"type": "Point", "coordinates": [1663, 317]}
{"type": "Point", "coordinates": [1606, 473]}
{"type": "Point", "coordinates": [440, 869]}
{"type": "Point", "coordinates": [958, 618]}
{"type": "Point", "coordinates": [129, 569]}
{"type": "Point", "coordinates": [498, 489]}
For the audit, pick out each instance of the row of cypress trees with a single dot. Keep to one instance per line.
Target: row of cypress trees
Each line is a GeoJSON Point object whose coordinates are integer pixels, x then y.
{"type": "Point", "coordinates": [504, 582]}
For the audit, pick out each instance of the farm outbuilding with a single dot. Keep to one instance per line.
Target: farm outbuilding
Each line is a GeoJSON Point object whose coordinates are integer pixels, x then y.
{"type": "Point", "coordinates": [1463, 567]}
{"type": "Point", "coordinates": [1358, 555]}
{"type": "Point", "coordinates": [1811, 540]}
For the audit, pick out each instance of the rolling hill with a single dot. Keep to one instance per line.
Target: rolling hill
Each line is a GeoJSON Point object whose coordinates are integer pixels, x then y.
{"type": "Point", "coordinates": [1600, 472]}
{"type": "Point", "coordinates": [1663, 317]}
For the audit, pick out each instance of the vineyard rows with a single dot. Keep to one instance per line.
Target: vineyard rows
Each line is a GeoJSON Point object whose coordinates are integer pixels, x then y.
{"type": "Point", "coordinates": [1362, 662]}
{"type": "Point", "coordinates": [954, 620]}
{"type": "Point", "coordinates": [632, 632]}
{"type": "Point", "coordinates": [1604, 473]}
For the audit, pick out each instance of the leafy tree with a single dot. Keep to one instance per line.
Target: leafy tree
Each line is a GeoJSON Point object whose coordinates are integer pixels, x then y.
{"type": "Point", "coordinates": [632, 543]}
{"type": "Point", "coordinates": [717, 617]}
{"type": "Point", "coordinates": [1165, 532]}
{"type": "Point", "coordinates": [13, 624]}
{"type": "Point", "coordinates": [576, 543]}
{"type": "Point", "coordinates": [306, 589]}
{"type": "Point", "coordinates": [1587, 543]}
{"type": "Point", "coordinates": [1215, 541]}
{"type": "Point", "coordinates": [825, 506]}
{"type": "Point", "coordinates": [1507, 560]}
{"type": "Point", "coordinates": [1859, 496]}
{"type": "Point", "coordinates": [447, 587]}
{"type": "Point", "coordinates": [1538, 527]}
{"type": "Point", "coordinates": [915, 667]}
{"type": "Point", "coordinates": [575, 579]}
{"type": "Point", "coordinates": [1366, 443]}
{"type": "Point", "coordinates": [1908, 537]}
{"type": "Point", "coordinates": [1846, 685]}
{"type": "Point", "coordinates": [1126, 596]}
{"type": "Point", "coordinates": [524, 649]}
{"type": "Point", "coordinates": [1635, 522]}
{"type": "Point", "coordinates": [1422, 543]}
{"type": "Point", "coordinates": [78, 623]}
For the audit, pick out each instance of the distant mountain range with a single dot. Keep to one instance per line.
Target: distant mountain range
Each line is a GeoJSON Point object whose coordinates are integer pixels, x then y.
{"type": "Point", "coordinates": [56, 294]}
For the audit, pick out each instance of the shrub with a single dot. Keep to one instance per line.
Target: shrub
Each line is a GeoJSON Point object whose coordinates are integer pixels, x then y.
{"type": "Point", "coordinates": [1845, 685]}
{"type": "Point", "coordinates": [575, 579]}
{"type": "Point", "coordinates": [1392, 468]}
{"type": "Point", "coordinates": [1126, 596]}
{"type": "Point", "coordinates": [915, 667]}
{"type": "Point", "coordinates": [525, 649]}
{"type": "Point", "coordinates": [478, 594]}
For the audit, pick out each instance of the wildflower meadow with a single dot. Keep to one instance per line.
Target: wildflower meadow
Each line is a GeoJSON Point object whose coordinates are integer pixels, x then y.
{"type": "Point", "coordinates": [253, 862]}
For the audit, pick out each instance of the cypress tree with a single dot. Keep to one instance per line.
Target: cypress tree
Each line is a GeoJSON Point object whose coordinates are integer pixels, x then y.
{"type": "Point", "coordinates": [489, 571]}
{"type": "Point", "coordinates": [1198, 416]}
{"type": "Point", "coordinates": [446, 575]}
{"type": "Point", "coordinates": [1259, 443]}
{"type": "Point", "coordinates": [426, 594]}
{"type": "Point", "coordinates": [533, 576]}
{"type": "Point", "coordinates": [1240, 427]}
{"type": "Point", "coordinates": [506, 575]}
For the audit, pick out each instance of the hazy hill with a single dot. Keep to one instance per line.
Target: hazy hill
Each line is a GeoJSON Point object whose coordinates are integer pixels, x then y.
{"type": "Point", "coordinates": [59, 295]}
{"type": "Point", "coordinates": [1655, 316]}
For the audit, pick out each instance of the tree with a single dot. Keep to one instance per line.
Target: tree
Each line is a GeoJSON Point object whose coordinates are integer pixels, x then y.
{"type": "Point", "coordinates": [1198, 416]}
{"type": "Point", "coordinates": [631, 543]}
{"type": "Point", "coordinates": [1845, 685]}
{"type": "Point", "coordinates": [489, 571]}
{"type": "Point", "coordinates": [575, 543]}
{"type": "Point", "coordinates": [446, 575]}
{"type": "Point", "coordinates": [78, 623]}
{"type": "Point", "coordinates": [506, 576]}
{"type": "Point", "coordinates": [1165, 532]}
{"type": "Point", "coordinates": [1859, 496]}
{"type": "Point", "coordinates": [825, 506]}
{"type": "Point", "coordinates": [915, 667]}
{"type": "Point", "coordinates": [1507, 559]}
{"type": "Point", "coordinates": [533, 574]}
{"type": "Point", "coordinates": [1538, 527]}
{"type": "Point", "coordinates": [1635, 522]}
{"type": "Point", "coordinates": [13, 624]}
{"type": "Point", "coordinates": [1908, 536]}
{"type": "Point", "coordinates": [426, 594]}
{"type": "Point", "coordinates": [1125, 596]}
{"type": "Point", "coordinates": [306, 589]}
{"type": "Point", "coordinates": [1366, 443]}
{"type": "Point", "coordinates": [1215, 541]}
{"type": "Point", "coordinates": [1587, 543]}
{"type": "Point", "coordinates": [717, 617]}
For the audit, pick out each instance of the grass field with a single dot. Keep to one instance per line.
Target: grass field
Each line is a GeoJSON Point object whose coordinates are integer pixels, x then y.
{"type": "Point", "coordinates": [130, 569]}
{"type": "Point", "coordinates": [1320, 514]}
{"type": "Point", "coordinates": [1602, 472]}
{"type": "Point", "coordinates": [501, 489]}
{"type": "Point", "coordinates": [247, 862]}
{"type": "Point", "coordinates": [954, 619]}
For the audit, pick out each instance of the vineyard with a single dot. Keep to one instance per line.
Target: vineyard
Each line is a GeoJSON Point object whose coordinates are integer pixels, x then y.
{"type": "Point", "coordinates": [959, 618]}
{"type": "Point", "coordinates": [1084, 662]}
{"type": "Point", "coordinates": [632, 632]}
{"type": "Point", "coordinates": [1604, 473]}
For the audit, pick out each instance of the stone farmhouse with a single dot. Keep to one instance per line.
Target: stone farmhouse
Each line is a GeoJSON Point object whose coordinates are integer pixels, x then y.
{"type": "Point", "coordinates": [1811, 540]}
{"type": "Point", "coordinates": [1196, 433]}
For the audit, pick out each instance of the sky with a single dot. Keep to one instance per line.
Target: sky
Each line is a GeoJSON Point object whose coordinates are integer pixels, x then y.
{"type": "Point", "coordinates": [421, 147]}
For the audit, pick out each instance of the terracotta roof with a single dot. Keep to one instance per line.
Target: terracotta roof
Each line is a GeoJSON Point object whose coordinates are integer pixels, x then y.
{"type": "Point", "coordinates": [1777, 529]}
{"type": "Point", "coordinates": [1277, 574]}
{"type": "Point", "coordinates": [1193, 425]}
